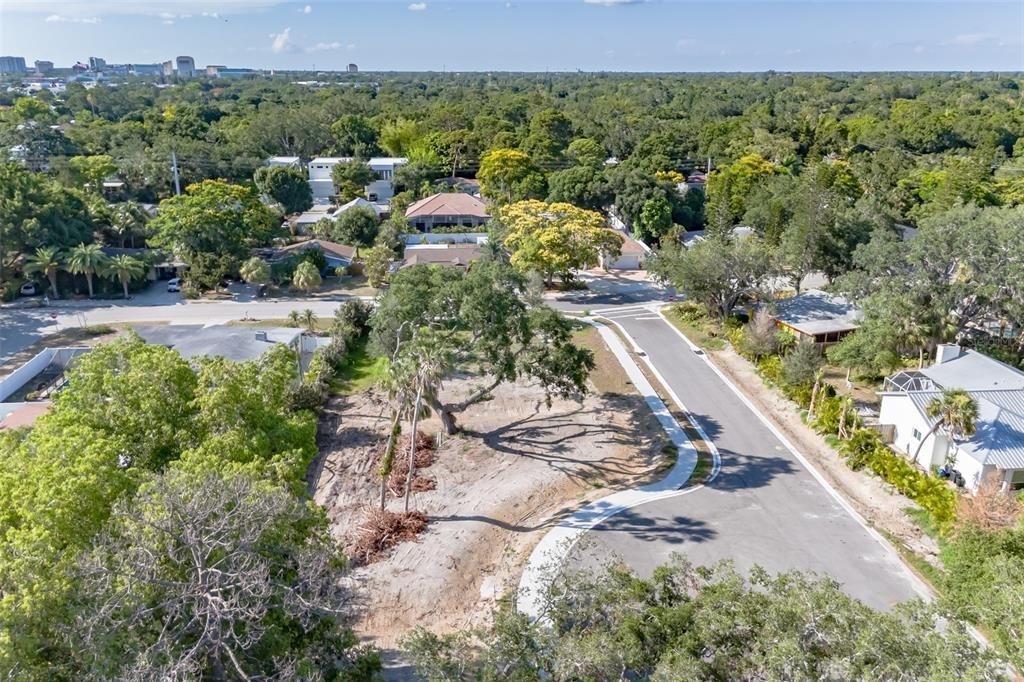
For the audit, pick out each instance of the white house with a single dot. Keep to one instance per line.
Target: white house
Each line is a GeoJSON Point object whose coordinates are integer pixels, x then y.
{"type": "Point", "coordinates": [380, 189]}
{"type": "Point", "coordinates": [997, 445]}
{"type": "Point", "coordinates": [634, 254]}
{"type": "Point", "coordinates": [383, 188]}
{"type": "Point", "coordinates": [286, 161]}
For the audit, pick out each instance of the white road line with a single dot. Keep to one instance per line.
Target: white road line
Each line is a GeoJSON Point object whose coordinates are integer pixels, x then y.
{"type": "Point", "coordinates": [551, 551]}
{"type": "Point", "coordinates": [919, 585]}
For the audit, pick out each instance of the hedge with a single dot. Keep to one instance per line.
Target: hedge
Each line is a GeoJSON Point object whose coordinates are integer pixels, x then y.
{"type": "Point", "coordinates": [864, 447]}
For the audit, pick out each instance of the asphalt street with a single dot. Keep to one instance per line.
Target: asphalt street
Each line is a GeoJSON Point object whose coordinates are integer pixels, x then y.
{"type": "Point", "coordinates": [764, 508]}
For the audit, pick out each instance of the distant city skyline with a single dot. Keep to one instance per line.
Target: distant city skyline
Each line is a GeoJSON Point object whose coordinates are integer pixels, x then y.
{"type": "Point", "coordinates": [524, 35]}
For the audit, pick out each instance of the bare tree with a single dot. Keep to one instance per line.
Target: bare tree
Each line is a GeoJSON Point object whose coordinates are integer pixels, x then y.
{"type": "Point", "coordinates": [215, 577]}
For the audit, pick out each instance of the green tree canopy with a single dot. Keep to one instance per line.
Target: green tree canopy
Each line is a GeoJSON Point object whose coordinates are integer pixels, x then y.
{"type": "Point", "coordinates": [287, 186]}
{"type": "Point", "coordinates": [488, 329]}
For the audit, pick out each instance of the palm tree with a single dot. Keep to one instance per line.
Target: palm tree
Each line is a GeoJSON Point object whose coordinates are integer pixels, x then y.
{"type": "Point", "coordinates": [46, 261]}
{"type": "Point", "coordinates": [955, 411]}
{"type": "Point", "coordinates": [432, 359]}
{"type": "Point", "coordinates": [306, 277]}
{"type": "Point", "coordinates": [397, 380]}
{"type": "Point", "coordinates": [125, 268]}
{"type": "Point", "coordinates": [255, 271]}
{"type": "Point", "coordinates": [88, 260]}
{"type": "Point", "coordinates": [294, 318]}
{"type": "Point", "coordinates": [127, 220]}
{"type": "Point", "coordinates": [309, 320]}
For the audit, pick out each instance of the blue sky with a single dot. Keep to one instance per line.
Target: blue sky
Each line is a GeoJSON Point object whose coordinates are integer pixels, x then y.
{"type": "Point", "coordinates": [527, 35]}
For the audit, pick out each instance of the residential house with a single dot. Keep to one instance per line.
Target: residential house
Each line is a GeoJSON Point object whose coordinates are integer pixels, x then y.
{"type": "Point", "coordinates": [447, 209]}
{"type": "Point", "coordinates": [692, 237]}
{"type": "Point", "coordinates": [383, 188]}
{"type": "Point", "coordinates": [238, 343]}
{"type": "Point", "coordinates": [817, 316]}
{"type": "Point", "coordinates": [633, 256]}
{"type": "Point", "coordinates": [158, 264]}
{"type": "Point", "coordinates": [997, 446]}
{"type": "Point", "coordinates": [445, 255]}
{"type": "Point", "coordinates": [379, 190]}
{"type": "Point", "coordinates": [286, 161]}
{"type": "Point", "coordinates": [337, 255]}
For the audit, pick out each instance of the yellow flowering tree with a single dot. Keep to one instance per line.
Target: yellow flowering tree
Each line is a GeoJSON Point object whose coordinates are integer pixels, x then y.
{"type": "Point", "coordinates": [557, 238]}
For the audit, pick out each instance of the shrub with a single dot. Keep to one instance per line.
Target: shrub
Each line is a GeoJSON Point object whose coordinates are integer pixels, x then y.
{"type": "Point", "coordinates": [801, 364]}
{"type": "Point", "coordinates": [860, 447]}
{"type": "Point", "coordinates": [691, 311]}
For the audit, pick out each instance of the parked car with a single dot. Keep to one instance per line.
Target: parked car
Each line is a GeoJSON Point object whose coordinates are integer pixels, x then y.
{"type": "Point", "coordinates": [174, 285]}
{"type": "Point", "coordinates": [29, 289]}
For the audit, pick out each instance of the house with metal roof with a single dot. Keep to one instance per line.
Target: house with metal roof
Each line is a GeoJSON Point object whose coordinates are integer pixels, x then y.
{"type": "Point", "coordinates": [997, 446]}
{"type": "Point", "coordinates": [817, 316]}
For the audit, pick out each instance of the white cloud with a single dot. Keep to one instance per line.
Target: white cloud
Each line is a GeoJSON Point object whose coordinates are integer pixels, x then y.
{"type": "Point", "coordinates": [282, 42]}
{"type": "Point", "coordinates": [350, 47]}
{"type": "Point", "coordinates": [64, 19]}
{"type": "Point", "coordinates": [308, 9]}
{"type": "Point", "coordinates": [613, 3]}
{"type": "Point", "coordinates": [417, 7]}
{"type": "Point", "coordinates": [320, 47]}
{"type": "Point", "coordinates": [968, 39]}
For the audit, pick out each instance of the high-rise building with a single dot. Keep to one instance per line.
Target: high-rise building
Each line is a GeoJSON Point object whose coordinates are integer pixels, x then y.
{"type": "Point", "coordinates": [43, 67]}
{"type": "Point", "coordinates": [12, 65]}
{"type": "Point", "coordinates": [186, 67]}
{"type": "Point", "coordinates": [146, 69]}
{"type": "Point", "coordinates": [97, 63]}
{"type": "Point", "coordinates": [213, 69]}
{"type": "Point", "coordinates": [353, 68]}
{"type": "Point", "coordinates": [168, 68]}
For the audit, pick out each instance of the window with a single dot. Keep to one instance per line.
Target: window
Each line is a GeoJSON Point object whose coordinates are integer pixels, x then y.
{"type": "Point", "coordinates": [917, 435]}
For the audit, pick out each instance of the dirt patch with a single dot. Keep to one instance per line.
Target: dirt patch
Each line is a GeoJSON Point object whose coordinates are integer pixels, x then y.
{"type": "Point", "coordinates": [499, 488]}
{"type": "Point", "coordinates": [873, 498]}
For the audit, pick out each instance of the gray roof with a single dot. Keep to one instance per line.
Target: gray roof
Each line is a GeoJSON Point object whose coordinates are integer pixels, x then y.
{"type": "Point", "coordinates": [999, 438]}
{"type": "Point", "coordinates": [972, 371]}
{"type": "Point", "coordinates": [231, 342]}
{"type": "Point", "coordinates": [817, 312]}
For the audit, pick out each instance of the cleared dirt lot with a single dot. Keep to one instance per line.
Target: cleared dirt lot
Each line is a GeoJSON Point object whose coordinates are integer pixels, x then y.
{"type": "Point", "coordinates": [517, 469]}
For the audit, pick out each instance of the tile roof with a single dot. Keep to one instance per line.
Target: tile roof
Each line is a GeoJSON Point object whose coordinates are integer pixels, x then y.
{"type": "Point", "coordinates": [333, 248]}
{"type": "Point", "coordinates": [449, 255]}
{"type": "Point", "coordinates": [448, 204]}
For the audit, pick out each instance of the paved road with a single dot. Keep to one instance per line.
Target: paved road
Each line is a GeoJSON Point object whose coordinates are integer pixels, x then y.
{"type": "Point", "coordinates": [765, 507]}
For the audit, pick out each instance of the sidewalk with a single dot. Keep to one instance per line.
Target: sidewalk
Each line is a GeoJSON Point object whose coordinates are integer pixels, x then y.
{"type": "Point", "coordinates": [553, 548]}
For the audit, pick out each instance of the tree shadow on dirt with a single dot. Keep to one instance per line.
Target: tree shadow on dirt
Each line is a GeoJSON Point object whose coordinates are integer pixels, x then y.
{"type": "Point", "coordinates": [556, 438]}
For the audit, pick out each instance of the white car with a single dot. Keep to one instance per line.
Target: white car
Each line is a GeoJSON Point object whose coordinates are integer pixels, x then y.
{"type": "Point", "coordinates": [174, 285]}
{"type": "Point", "coordinates": [29, 289]}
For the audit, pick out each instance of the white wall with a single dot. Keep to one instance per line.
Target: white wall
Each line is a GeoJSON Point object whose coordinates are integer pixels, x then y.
{"type": "Point", "coordinates": [415, 238]}
{"type": "Point", "coordinates": [21, 376]}
{"type": "Point", "coordinates": [972, 470]}
{"type": "Point", "coordinates": [49, 356]}
{"type": "Point", "coordinates": [898, 410]}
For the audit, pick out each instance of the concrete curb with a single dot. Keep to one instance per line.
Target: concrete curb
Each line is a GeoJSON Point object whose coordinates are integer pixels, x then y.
{"type": "Point", "coordinates": [922, 589]}
{"type": "Point", "coordinates": [551, 551]}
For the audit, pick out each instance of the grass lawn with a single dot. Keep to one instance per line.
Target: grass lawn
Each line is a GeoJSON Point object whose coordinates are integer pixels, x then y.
{"type": "Point", "coordinates": [322, 324]}
{"type": "Point", "coordinates": [608, 377]}
{"type": "Point", "coordinates": [705, 335]}
{"type": "Point", "coordinates": [360, 371]}
{"type": "Point", "coordinates": [350, 285]}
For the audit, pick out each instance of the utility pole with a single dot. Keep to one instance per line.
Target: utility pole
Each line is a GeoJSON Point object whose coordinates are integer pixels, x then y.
{"type": "Point", "coordinates": [174, 167]}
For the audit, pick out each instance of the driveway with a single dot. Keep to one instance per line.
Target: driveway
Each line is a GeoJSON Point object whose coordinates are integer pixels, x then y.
{"type": "Point", "coordinates": [765, 507]}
